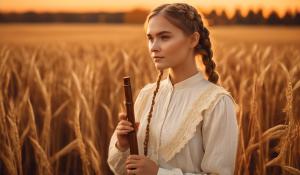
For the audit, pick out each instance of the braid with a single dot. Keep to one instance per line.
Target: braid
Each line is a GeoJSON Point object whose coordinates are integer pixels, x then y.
{"type": "Point", "coordinates": [204, 48]}
{"type": "Point", "coordinates": [146, 141]}
{"type": "Point", "coordinates": [204, 45]}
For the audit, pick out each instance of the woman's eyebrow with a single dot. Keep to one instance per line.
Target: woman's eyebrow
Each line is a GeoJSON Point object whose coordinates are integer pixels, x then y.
{"type": "Point", "coordinates": [159, 33]}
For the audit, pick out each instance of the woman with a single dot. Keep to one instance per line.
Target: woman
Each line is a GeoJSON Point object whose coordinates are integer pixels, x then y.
{"type": "Point", "coordinates": [187, 123]}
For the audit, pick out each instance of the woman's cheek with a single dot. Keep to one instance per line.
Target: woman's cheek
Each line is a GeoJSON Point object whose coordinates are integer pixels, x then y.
{"type": "Point", "coordinates": [176, 48]}
{"type": "Point", "coordinates": [170, 46]}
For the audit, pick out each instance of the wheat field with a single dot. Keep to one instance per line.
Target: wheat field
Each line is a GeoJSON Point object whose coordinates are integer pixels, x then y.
{"type": "Point", "coordinates": [61, 90]}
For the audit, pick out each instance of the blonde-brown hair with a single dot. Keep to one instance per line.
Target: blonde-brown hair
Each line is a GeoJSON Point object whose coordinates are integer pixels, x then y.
{"type": "Point", "coordinates": [188, 19]}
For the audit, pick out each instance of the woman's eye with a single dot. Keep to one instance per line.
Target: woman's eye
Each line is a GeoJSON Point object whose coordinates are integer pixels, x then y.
{"type": "Point", "coordinates": [165, 37]}
{"type": "Point", "coordinates": [162, 38]}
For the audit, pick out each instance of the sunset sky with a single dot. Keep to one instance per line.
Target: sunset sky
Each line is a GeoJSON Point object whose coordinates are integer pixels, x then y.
{"type": "Point", "coordinates": [125, 5]}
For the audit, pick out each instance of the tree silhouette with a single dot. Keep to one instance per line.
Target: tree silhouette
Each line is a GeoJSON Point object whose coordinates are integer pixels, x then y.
{"type": "Point", "coordinates": [238, 18]}
{"type": "Point", "coordinates": [223, 18]}
{"type": "Point", "coordinates": [211, 17]}
{"type": "Point", "coordinates": [297, 18]}
{"type": "Point", "coordinates": [251, 17]}
{"type": "Point", "coordinates": [260, 17]}
{"type": "Point", "coordinates": [273, 18]}
{"type": "Point", "coordinates": [288, 19]}
{"type": "Point", "coordinates": [136, 16]}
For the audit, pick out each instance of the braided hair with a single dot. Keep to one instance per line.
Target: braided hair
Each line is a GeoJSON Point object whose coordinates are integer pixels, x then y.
{"type": "Point", "coordinates": [189, 21]}
{"type": "Point", "coordinates": [146, 141]}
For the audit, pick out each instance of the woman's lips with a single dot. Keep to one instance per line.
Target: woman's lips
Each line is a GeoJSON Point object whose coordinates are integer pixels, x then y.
{"type": "Point", "coordinates": [157, 59]}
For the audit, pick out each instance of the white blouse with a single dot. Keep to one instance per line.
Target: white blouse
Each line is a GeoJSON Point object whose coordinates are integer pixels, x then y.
{"type": "Point", "coordinates": [193, 129]}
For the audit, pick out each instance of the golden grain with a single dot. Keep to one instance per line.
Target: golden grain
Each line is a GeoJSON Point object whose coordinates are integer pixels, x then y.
{"type": "Point", "coordinates": [59, 102]}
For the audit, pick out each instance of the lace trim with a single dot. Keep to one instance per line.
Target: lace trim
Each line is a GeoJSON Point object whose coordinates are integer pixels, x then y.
{"type": "Point", "coordinates": [205, 101]}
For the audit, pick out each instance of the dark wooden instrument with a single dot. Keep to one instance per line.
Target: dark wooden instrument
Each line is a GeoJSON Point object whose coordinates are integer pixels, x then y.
{"type": "Point", "coordinates": [130, 116]}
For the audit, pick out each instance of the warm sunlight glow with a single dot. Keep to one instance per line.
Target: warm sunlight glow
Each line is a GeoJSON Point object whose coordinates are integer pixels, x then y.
{"type": "Point", "coordinates": [281, 6]}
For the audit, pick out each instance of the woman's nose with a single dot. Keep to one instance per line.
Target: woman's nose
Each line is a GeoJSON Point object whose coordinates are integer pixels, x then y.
{"type": "Point", "coordinates": [154, 46]}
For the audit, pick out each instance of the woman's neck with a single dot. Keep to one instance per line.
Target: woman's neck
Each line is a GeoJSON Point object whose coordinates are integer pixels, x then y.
{"type": "Point", "coordinates": [181, 73]}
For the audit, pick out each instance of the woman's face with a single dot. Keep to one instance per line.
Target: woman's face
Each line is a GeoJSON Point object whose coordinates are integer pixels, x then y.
{"type": "Point", "coordinates": [168, 45]}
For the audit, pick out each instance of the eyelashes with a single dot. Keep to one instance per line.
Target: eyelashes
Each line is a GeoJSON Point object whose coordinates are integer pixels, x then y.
{"type": "Point", "coordinates": [164, 38]}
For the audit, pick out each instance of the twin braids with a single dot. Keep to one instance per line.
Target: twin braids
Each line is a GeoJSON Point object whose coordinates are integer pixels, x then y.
{"type": "Point", "coordinates": [189, 20]}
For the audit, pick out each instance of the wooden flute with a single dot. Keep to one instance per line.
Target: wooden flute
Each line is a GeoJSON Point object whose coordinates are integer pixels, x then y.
{"type": "Point", "coordinates": [130, 115]}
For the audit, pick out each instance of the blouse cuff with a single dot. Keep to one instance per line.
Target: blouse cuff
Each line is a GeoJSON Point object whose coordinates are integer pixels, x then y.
{"type": "Point", "coordinates": [119, 153]}
{"type": "Point", "coordinates": [116, 160]}
{"type": "Point", "coordinates": [176, 171]}
{"type": "Point", "coordinates": [163, 171]}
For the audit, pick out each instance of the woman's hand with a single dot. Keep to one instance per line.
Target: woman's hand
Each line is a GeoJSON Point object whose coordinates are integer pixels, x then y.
{"type": "Point", "coordinates": [122, 129]}
{"type": "Point", "coordinates": [139, 164]}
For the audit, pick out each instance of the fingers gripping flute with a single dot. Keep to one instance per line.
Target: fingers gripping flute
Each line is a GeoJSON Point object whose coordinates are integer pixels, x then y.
{"type": "Point", "coordinates": [130, 115]}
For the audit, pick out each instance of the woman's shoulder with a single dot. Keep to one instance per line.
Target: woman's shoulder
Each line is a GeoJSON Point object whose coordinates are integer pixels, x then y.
{"type": "Point", "coordinates": [145, 91]}
{"type": "Point", "coordinates": [148, 87]}
{"type": "Point", "coordinates": [219, 95]}
{"type": "Point", "coordinates": [213, 88]}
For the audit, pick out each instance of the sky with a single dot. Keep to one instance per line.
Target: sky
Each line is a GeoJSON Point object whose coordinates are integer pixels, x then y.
{"type": "Point", "coordinates": [126, 5]}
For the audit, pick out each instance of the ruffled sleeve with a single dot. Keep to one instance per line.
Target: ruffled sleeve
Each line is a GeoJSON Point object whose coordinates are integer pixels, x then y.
{"type": "Point", "coordinates": [116, 158]}
{"type": "Point", "coordinates": [220, 138]}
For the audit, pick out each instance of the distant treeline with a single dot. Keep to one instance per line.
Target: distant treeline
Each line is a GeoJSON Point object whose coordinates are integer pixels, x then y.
{"type": "Point", "coordinates": [139, 16]}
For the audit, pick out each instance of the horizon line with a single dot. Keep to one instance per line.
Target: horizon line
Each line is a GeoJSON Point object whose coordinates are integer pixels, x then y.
{"type": "Point", "coordinates": [219, 10]}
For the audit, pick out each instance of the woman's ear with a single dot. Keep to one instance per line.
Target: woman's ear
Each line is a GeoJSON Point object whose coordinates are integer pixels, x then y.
{"type": "Point", "coordinates": [194, 39]}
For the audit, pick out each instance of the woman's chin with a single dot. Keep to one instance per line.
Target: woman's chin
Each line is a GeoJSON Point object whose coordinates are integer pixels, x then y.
{"type": "Point", "coordinates": [160, 67]}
